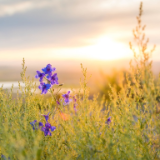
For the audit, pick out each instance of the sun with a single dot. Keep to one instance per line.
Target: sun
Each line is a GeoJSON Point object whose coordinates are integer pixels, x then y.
{"type": "Point", "coordinates": [107, 49]}
{"type": "Point", "coordinates": [102, 48]}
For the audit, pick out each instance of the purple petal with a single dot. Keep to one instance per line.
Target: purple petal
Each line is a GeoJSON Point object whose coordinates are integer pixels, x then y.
{"type": "Point", "coordinates": [36, 76]}
{"type": "Point", "coordinates": [3, 157]}
{"type": "Point", "coordinates": [48, 125]}
{"type": "Point", "coordinates": [49, 77]}
{"type": "Point", "coordinates": [53, 128]}
{"type": "Point", "coordinates": [109, 120]}
{"type": "Point", "coordinates": [67, 101]}
{"type": "Point", "coordinates": [53, 69]}
{"type": "Point", "coordinates": [44, 91]}
{"type": "Point", "coordinates": [44, 69]}
{"type": "Point", "coordinates": [68, 92]}
{"type": "Point", "coordinates": [53, 79]}
{"type": "Point", "coordinates": [46, 117]}
{"type": "Point", "coordinates": [66, 97]}
{"type": "Point", "coordinates": [40, 75]}
{"type": "Point", "coordinates": [33, 124]}
{"type": "Point", "coordinates": [43, 129]}
{"type": "Point", "coordinates": [40, 124]}
{"type": "Point", "coordinates": [48, 86]}
{"type": "Point", "coordinates": [40, 87]}
{"type": "Point", "coordinates": [48, 69]}
{"type": "Point", "coordinates": [74, 98]}
{"type": "Point", "coordinates": [47, 132]}
{"type": "Point", "coordinates": [44, 87]}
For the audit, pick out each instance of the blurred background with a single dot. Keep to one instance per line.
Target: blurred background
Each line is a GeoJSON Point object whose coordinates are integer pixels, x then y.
{"type": "Point", "coordinates": [66, 33]}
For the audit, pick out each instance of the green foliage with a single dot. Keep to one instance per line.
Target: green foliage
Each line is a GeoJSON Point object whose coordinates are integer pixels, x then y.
{"type": "Point", "coordinates": [134, 131]}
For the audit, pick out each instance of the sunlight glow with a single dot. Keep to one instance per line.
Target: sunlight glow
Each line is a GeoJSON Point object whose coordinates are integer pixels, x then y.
{"type": "Point", "coordinates": [107, 49]}
{"type": "Point", "coordinates": [102, 48]}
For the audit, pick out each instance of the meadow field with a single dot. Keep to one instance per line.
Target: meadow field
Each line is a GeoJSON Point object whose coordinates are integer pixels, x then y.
{"type": "Point", "coordinates": [120, 121]}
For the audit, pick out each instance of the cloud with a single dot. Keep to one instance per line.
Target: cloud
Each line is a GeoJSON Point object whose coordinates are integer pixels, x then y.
{"type": "Point", "coordinates": [10, 8]}
{"type": "Point", "coordinates": [70, 23]}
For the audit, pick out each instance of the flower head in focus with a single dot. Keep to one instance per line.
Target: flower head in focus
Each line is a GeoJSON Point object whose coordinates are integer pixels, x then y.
{"type": "Point", "coordinates": [47, 129]}
{"type": "Point", "coordinates": [53, 79]}
{"type": "Point", "coordinates": [48, 69]}
{"type": "Point", "coordinates": [40, 76]}
{"type": "Point", "coordinates": [44, 87]}
{"type": "Point", "coordinates": [47, 74]}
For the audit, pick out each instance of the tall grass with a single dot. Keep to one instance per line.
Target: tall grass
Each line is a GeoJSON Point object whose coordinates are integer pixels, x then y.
{"type": "Point", "coordinates": [87, 133]}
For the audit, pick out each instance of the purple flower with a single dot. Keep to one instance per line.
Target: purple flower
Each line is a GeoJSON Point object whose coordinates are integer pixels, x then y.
{"type": "Point", "coordinates": [53, 128]}
{"type": "Point", "coordinates": [53, 79]}
{"type": "Point", "coordinates": [44, 87]}
{"type": "Point", "coordinates": [46, 117]}
{"type": "Point", "coordinates": [48, 129]}
{"type": "Point", "coordinates": [48, 69]}
{"type": "Point", "coordinates": [66, 98]}
{"type": "Point", "coordinates": [33, 124]}
{"type": "Point", "coordinates": [74, 98]}
{"type": "Point", "coordinates": [108, 120]}
{"type": "Point", "coordinates": [40, 124]}
{"type": "Point", "coordinates": [40, 75]}
{"type": "Point", "coordinates": [3, 157]}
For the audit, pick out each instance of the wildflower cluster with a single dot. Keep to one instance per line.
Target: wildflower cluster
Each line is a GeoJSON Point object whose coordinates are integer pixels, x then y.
{"type": "Point", "coordinates": [3, 157]}
{"type": "Point", "coordinates": [66, 98]}
{"type": "Point", "coordinates": [47, 128]}
{"type": "Point", "coordinates": [52, 79]}
{"type": "Point", "coordinates": [49, 76]}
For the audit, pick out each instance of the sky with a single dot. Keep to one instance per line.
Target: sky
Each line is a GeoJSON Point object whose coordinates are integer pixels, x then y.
{"type": "Point", "coordinates": [58, 30]}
